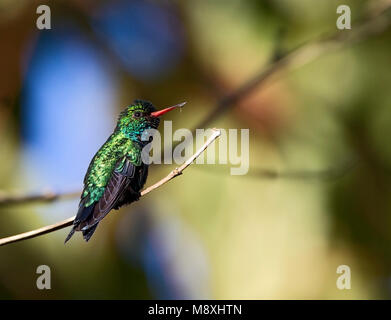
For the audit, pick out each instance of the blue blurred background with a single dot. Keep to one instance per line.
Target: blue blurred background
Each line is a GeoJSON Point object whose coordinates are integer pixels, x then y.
{"type": "Point", "coordinates": [206, 234]}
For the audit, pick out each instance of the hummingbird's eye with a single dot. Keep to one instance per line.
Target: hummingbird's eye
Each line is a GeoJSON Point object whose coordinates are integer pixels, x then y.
{"type": "Point", "coordinates": [137, 114]}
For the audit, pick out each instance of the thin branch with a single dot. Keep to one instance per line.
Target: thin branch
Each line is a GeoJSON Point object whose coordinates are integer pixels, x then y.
{"type": "Point", "coordinates": [47, 196]}
{"type": "Point", "coordinates": [68, 222]}
{"type": "Point", "coordinates": [328, 175]}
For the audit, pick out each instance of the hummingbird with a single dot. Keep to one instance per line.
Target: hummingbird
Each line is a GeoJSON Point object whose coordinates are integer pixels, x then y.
{"type": "Point", "coordinates": [116, 173]}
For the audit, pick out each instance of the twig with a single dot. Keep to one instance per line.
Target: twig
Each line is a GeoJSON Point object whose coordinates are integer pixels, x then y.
{"type": "Point", "coordinates": [328, 175]}
{"type": "Point", "coordinates": [48, 196]}
{"type": "Point", "coordinates": [68, 222]}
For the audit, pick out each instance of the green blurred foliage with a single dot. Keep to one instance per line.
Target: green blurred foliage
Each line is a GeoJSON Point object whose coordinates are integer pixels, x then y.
{"type": "Point", "coordinates": [263, 238]}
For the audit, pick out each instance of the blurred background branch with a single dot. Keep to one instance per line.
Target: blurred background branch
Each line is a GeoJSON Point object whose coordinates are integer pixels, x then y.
{"type": "Point", "coordinates": [46, 196]}
{"type": "Point", "coordinates": [376, 21]}
{"type": "Point", "coordinates": [208, 235]}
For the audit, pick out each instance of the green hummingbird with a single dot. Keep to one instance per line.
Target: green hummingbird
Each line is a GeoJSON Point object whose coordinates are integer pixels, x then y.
{"type": "Point", "coordinates": [117, 173]}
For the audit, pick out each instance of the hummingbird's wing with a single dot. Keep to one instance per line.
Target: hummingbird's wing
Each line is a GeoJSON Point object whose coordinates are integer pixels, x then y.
{"type": "Point", "coordinates": [116, 187]}
{"type": "Point", "coordinates": [123, 187]}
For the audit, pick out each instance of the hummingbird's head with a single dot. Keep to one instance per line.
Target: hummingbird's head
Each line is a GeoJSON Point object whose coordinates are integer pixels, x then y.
{"type": "Point", "coordinates": [140, 116]}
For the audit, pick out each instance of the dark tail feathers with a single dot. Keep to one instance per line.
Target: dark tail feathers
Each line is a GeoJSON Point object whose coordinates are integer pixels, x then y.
{"type": "Point", "coordinates": [87, 233]}
{"type": "Point", "coordinates": [82, 216]}
{"type": "Point", "coordinates": [70, 234]}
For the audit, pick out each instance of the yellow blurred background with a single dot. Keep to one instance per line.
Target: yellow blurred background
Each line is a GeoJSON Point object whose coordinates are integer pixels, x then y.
{"type": "Point", "coordinates": [317, 194]}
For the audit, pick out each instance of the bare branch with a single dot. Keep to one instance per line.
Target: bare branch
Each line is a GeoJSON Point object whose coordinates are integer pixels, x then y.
{"type": "Point", "coordinates": [48, 196]}
{"type": "Point", "coordinates": [328, 175]}
{"type": "Point", "coordinates": [68, 222]}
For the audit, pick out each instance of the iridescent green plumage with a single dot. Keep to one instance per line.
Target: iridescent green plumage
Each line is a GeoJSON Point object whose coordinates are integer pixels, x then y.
{"type": "Point", "coordinates": [111, 156]}
{"type": "Point", "coordinates": [116, 173]}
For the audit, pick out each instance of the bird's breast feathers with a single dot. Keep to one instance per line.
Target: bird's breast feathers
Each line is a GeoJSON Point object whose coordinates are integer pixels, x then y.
{"type": "Point", "coordinates": [111, 156]}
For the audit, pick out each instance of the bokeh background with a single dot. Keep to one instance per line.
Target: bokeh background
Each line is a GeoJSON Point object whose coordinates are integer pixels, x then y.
{"type": "Point", "coordinates": [318, 193]}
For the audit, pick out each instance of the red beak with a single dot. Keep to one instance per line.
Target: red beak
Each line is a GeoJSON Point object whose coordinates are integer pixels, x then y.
{"type": "Point", "coordinates": [163, 111]}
